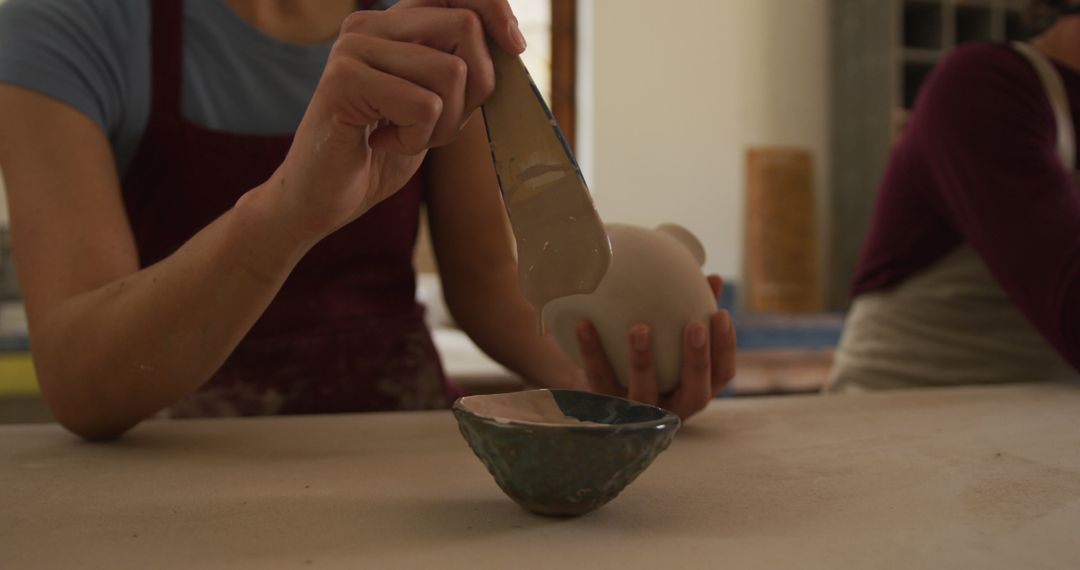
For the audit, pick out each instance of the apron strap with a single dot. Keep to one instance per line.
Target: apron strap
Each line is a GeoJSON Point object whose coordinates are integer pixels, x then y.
{"type": "Point", "coordinates": [166, 57]}
{"type": "Point", "coordinates": [1059, 102]}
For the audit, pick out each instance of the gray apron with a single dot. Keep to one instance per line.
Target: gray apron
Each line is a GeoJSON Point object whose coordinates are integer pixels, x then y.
{"type": "Point", "coordinates": [952, 324]}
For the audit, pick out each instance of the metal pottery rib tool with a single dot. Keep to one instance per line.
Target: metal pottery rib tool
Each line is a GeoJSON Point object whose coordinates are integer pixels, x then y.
{"type": "Point", "coordinates": [562, 247]}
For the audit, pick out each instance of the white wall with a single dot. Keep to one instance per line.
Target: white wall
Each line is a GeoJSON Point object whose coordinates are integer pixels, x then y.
{"type": "Point", "coordinates": [671, 95]}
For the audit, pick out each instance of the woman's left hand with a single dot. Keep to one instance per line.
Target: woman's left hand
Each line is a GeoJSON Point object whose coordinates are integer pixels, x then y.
{"type": "Point", "coordinates": [706, 366]}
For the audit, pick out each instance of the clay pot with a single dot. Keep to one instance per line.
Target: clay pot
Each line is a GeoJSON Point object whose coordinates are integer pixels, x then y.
{"type": "Point", "coordinates": [655, 278]}
{"type": "Point", "coordinates": [560, 452]}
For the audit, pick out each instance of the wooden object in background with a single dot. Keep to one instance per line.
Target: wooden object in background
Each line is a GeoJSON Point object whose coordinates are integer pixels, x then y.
{"type": "Point", "coordinates": [564, 67]}
{"type": "Point", "coordinates": [782, 261]}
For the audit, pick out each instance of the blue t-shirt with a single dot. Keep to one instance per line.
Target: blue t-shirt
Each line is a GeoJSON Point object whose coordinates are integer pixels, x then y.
{"type": "Point", "coordinates": [94, 55]}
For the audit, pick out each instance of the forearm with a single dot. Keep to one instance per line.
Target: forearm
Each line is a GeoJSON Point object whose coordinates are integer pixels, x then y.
{"type": "Point", "coordinates": [504, 325]}
{"type": "Point", "coordinates": [109, 357]}
{"type": "Point", "coordinates": [474, 246]}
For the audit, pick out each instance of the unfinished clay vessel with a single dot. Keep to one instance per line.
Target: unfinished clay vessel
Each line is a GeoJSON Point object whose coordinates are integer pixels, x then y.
{"type": "Point", "coordinates": [655, 278]}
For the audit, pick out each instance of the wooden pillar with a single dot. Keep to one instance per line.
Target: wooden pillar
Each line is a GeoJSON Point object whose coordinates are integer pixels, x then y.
{"type": "Point", "coordinates": [564, 66]}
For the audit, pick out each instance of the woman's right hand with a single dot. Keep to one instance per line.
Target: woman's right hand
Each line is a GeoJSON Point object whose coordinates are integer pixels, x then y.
{"type": "Point", "coordinates": [396, 84]}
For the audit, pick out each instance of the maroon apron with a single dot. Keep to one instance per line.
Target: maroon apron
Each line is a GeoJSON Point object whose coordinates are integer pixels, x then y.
{"type": "Point", "coordinates": [345, 333]}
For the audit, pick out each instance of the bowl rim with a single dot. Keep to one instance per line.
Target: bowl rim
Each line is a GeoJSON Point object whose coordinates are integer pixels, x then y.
{"type": "Point", "coordinates": [667, 420]}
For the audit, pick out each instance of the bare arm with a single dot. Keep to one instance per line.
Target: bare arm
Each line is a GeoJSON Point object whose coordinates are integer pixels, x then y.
{"type": "Point", "coordinates": [114, 343]}
{"type": "Point", "coordinates": [474, 248]}
{"type": "Point", "coordinates": [473, 245]}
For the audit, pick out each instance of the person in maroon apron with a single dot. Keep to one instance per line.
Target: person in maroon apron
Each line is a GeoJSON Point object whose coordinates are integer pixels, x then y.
{"type": "Point", "coordinates": [272, 274]}
{"type": "Point", "coordinates": [262, 274]}
{"type": "Point", "coordinates": [344, 333]}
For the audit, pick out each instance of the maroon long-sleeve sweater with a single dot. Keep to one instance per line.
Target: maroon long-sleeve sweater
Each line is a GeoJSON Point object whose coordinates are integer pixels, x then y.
{"type": "Point", "coordinates": [978, 163]}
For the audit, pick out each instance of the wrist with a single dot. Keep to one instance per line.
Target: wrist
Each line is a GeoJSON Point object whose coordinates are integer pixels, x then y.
{"type": "Point", "coordinates": [261, 221]}
{"type": "Point", "coordinates": [278, 203]}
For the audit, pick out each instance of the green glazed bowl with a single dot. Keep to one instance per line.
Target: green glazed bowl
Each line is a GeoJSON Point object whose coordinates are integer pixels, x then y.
{"type": "Point", "coordinates": [562, 452]}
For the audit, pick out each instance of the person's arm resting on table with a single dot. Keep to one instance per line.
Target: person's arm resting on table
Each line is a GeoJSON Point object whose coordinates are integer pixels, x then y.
{"type": "Point", "coordinates": [114, 343]}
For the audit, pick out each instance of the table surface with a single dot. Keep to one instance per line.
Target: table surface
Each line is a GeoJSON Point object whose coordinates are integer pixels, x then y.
{"type": "Point", "coordinates": [961, 478]}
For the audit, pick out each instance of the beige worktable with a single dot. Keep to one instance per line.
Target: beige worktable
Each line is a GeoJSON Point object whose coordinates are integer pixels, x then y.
{"type": "Point", "coordinates": [965, 478]}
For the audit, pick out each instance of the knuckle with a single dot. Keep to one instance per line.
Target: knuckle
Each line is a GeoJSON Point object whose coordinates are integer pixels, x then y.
{"type": "Point", "coordinates": [483, 82]}
{"type": "Point", "coordinates": [502, 7]}
{"type": "Point", "coordinates": [588, 350]}
{"type": "Point", "coordinates": [697, 365]}
{"type": "Point", "coordinates": [358, 20]}
{"type": "Point", "coordinates": [429, 108]}
{"type": "Point", "coordinates": [499, 11]}
{"type": "Point", "coordinates": [725, 372]}
{"type": "Point", "coordinates": [336, 53]}
{"type": "Point", "coordinates": [470, 24]}
{"type": "Point", "coordinates": [349, 42]}
{"type": "Point", "coordinates": [457, 71]}
{"type": "Point", "coordinates": [338, 70]}
{"type": "Point", "coordinates": [640, 363]}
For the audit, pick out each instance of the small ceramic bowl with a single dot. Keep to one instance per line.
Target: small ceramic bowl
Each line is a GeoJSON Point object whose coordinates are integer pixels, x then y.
{"type": "Point", "coordinates": [561, 452]}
